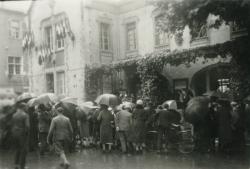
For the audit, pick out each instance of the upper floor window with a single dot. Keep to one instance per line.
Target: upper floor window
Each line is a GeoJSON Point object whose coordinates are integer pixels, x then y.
{"type": "Point", "coordinates": [14, 29]}
{"type": "Point", "coordinates": [161, 37]}
{"type": "Point", "coordinates": [14, 65]}
{"type": "Point", "coordinates": [60, 34]}
{"type": "Point", "coordinates": [131, 36]}
{"type": "Point", "coordinates": [105, 43]}
{"type": "Point", "coordinates": [49, 36]}
{"type": "Point", "coordinates": [202, 33]}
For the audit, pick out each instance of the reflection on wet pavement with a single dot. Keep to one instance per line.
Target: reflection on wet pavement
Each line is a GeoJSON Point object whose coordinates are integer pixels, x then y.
{"type": "Point", "coordinates": [94, 159]}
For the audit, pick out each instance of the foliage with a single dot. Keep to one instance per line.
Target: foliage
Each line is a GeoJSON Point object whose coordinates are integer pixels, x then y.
{"type": "Point", "coordinates": [177, 14]}
{"type": "Point", "coordinates": [151, 66]}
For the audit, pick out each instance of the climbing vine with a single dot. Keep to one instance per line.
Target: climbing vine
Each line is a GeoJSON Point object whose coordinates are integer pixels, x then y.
{"type": "Point", "coordinates": [150, 66]}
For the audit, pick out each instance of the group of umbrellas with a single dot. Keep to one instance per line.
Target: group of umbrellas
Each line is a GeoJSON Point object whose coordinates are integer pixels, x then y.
{"type": "Point", "coordinates": [51, 98]}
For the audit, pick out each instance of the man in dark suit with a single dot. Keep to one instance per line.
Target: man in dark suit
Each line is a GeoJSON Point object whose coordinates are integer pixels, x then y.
{"type": "Point", "coordinates": [20, 134]}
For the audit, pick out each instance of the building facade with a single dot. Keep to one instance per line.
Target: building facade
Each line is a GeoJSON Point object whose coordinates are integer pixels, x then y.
{"type": "Point", "coordinates": [13, 64]}
{"type": "Point", "coordinates": [105, 33]}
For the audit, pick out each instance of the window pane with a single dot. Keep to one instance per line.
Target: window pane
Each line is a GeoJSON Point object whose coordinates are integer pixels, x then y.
{"type": "Point", "coordinates": [131, 36]}
{"type": "Point", "coordinates": [18, 69]}
{"type": "Point", "coordinates": [11, 69]}
{"type": "Point", "coordinates": [104, 36]}
{"type": "Point", "coordinates": [17, 60]}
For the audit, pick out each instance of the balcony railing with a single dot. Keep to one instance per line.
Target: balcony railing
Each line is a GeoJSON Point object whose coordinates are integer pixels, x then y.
{"type": "Point", "coordinates": [106, 56]}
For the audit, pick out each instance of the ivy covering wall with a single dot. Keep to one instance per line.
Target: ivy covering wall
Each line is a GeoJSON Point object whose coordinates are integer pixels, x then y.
{"type": "Point", "coordinates": [150, 67]}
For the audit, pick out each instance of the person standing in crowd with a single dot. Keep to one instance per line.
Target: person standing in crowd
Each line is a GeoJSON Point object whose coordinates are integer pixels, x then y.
{"type": "Point", "coordinates": [20, 134]}
{"type": "Point", "coordinates": [83, 125]}
{"type": "Point", "coordinates": [62, 133]}
{"type": "Point", "coordinates": [139, 119]}
{"type": "Point", "coordinates": [123, 121]}
{"type": "Point", "coordinates": [238, 125]}
{"type": "Point", "coordinates": [224, 125]}
{"type": "Point", "coordinates": [162, 126]}
{"type": "Point", "coordinates": [43, 127]}
{"type": "Point", "coordinates": [33, 139]}
{"type": "Point", "coordinates": [106, 120]}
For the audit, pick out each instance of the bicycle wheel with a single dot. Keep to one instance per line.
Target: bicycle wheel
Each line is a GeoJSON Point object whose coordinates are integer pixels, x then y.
{"type": "Point", "coordinates": [186, 147]}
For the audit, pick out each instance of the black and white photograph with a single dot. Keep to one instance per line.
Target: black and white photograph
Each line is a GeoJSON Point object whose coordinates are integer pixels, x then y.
{"type": "Point", "coordinates": [124, 84]}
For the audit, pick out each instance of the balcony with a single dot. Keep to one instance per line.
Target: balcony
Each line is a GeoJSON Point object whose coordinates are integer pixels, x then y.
{"type": "Point", "coordinates": [237, 31]}
{"type": "Point", "coordinates": [200, 41]}
{"type": "Point", "coordinates": [131, 54]}
{"type": "Point", "coordinates": [106, 56]}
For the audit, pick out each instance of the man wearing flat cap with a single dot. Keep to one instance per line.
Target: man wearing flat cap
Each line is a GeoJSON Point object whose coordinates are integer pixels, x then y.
{"type": "Point", "coordinates": [62, 132]}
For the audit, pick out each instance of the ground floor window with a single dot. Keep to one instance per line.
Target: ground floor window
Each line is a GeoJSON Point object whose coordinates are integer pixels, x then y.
{"type": "Point", "coordinates": [60, 82]}
{"type": "Point", "coordinates": [50, 82]}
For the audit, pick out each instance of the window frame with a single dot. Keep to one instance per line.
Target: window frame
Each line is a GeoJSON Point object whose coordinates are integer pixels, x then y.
{"type": "Point", "coordinates": [61, 40]}
{"type": "Point", "coordinates": [157, 33]}
{"type": "Point", "coordinates": [62, 84]}
{"type": "Point", "coordinates": [102, 38]}
{"type": "Point", "coordinates": [15, 64]}
{"type": "Point", "coordinates": [13, 34]}
{"type": "Point", "coordinates": [49, 36]}
{"type": "Point", "coordinates": [135, 35]}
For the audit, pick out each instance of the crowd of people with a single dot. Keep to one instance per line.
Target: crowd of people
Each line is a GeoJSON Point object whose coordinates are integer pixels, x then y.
{"type": "Point", "coordinates": [129, 127]}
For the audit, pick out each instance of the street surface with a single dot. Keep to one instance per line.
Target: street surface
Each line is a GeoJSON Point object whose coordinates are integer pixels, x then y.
{"type": "Point", "coordinates": [94, 159]}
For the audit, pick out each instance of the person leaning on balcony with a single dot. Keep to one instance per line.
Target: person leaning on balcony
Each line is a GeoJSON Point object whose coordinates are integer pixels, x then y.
{"type": "Point", "coordinates": [62, 133]}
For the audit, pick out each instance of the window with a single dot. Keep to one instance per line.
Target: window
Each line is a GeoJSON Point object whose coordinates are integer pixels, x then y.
{"type": "Point", "coordinates": [202, 33]}
{"type": "Point", "coordinates": [49, 36]}
{"type": "Point", "coordinates": [59, 43]}
{"type": "Point", "coordinates": [161, 37]}
{"type": "Point", "coordinates": [14, 65]}
{"type": "Point", "coordinates": [131, 36]}
{"type": "Point", "coordinates": [60, 82]}
{"type": "Point", "coordinates": [59, 37]}
{"type": "Point", "coordinates": [105, 36]}
{"type": "Point", "coordinates": [14, 29]}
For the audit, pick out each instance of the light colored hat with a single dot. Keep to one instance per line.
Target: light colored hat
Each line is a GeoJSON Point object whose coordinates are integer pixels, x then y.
{"type": "Point", "coordinates": [139, 102]}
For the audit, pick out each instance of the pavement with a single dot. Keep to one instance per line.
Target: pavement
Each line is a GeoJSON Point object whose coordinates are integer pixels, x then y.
{"type": "Point", "coordinates": [95, 159]}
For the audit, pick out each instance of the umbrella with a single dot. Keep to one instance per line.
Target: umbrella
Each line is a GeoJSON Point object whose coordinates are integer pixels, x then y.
{"type": "Point", "coordinates": [171, 104]}
{"type": "Point", "coordinates": [25, 97]}
{"type": "Point", "coordinates": [87, 106]}
{"type": "Point", "coordinates": [107, 99]}
{"type": "Point", "coordinates": [70, 100]}
{"type": "Point", "coordinates": [196, 109]}
{"type": "Point", "coordinates": [247, 99]}
{"type": "Point", "coordinates": [32, 102]}
{"type": "Point", "coordinates": [43, 99]}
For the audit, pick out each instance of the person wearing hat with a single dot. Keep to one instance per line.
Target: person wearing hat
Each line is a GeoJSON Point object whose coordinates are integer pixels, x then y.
{"type": "Point", "coordinates": [123, 121]}
{"type": "Point", "coordinates": [139, 119]}
{"type": "Point", "coordinates": [106, 120]}
{"type": "Point", "coordinates": [62, 132]}
{"type": "Point", "coordinates": [20, 134]}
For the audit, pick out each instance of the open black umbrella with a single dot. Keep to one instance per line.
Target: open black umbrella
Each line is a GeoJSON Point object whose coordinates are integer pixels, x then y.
{"type": "Point", "coordinates": [196, 109]}
{"type": "Point", "coordinates": [107, 99]}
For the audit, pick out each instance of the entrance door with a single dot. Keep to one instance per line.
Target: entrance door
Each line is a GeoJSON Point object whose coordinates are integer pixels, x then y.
{"type": "Point", "coordinates": [209, 79]}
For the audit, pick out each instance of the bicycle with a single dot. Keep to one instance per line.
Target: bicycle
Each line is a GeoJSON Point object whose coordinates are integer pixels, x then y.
{"type": "Point", "coordinates": [181, 137]}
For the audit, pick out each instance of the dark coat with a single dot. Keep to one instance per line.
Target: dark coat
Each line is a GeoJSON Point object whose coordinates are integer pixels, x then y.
{"type": "Point", "coordinates": [106, 126]}
{"type": "Point", "coordinates": [139, 125]}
